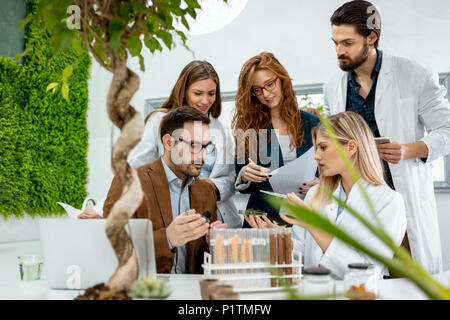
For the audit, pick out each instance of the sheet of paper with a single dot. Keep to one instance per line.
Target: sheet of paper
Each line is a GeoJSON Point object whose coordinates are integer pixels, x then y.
{"type": "Point", "coordinates": [274, 194]}
{"type": "Point", "coordinates": [290, 177]}
{"type": "Point", "coordinates": [71, 211]}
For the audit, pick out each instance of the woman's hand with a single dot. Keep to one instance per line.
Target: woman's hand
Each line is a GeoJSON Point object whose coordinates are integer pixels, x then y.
{"type": "Point", "coordinates": [258, 223]}
{"type": "Point", "coordinates": [254, 173]}
{"type": "Point", "coordinates": [308, 185]}
{"type": "Point", "coordinates": [292, 197]}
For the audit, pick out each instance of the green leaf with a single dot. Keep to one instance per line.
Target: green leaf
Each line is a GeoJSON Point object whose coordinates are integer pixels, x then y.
{"type": "Point", "coordinates": [152, 25]}
{"type": "Point", "coordinates": [135, 46]}
{"type": "Point", "coordinates": [139, 7]}
{"type": "Point", "coordinates": [25, 21]}
{"type": "Point", "coordinates": [141, 63]}
{"type": "Point", "coordinates": [152, 43]}
{"type": "Point", "coordinates": [166, 37]}
{"type": "Point", "coordinates": [78, 46]}
{"type": "Point", "coordinates": [192, 12]}
{"type": "Point", "coordinates": [99, 50]}
{"type": "Point", "coordinates": [125, 8]}
{"type": "Point", "coordinates": [65, 91]}
{"type": "Point", "coordinates": [67, 72]}
{"type": "Point", "coordinates": [185, 23]}
{"type": "Point", "coordinates": [52, 86]}
{"type": "Point", "coordinates": [182, 36]}
{"type": "Point", "coordinates": [116, 29]}
{"type": "Point", "coordinates": [193, 4]}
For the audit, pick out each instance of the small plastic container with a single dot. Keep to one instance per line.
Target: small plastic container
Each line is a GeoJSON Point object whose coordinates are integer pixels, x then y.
{"type": "Point", "coordinates": [317, 282]}
{"type": "Point", "coordinates": [361, 282]}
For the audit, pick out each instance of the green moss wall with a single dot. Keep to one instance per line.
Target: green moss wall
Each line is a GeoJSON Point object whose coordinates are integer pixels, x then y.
{"type": "Point", "coordinates": [43, 138]}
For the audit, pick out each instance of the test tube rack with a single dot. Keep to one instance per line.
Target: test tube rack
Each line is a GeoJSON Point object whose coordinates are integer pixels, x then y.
{"type": "Point", "coordinates": [253, 277]}
{"type": "Point", "coordinates": [253, 260]}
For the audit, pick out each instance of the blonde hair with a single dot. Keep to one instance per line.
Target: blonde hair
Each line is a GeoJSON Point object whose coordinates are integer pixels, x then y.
{"type": "Point", "coordinates": [366, 161]}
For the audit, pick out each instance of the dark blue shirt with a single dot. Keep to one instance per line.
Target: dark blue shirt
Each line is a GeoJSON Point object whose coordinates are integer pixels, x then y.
{"type": "Point", "coordinates": [366, 107]}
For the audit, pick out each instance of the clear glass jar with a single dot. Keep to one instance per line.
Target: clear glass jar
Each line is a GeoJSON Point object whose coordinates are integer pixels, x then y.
{"type": "Point", "coordinates": [361, 282]}
{"type": "Point", "coordinates": [316, 282]}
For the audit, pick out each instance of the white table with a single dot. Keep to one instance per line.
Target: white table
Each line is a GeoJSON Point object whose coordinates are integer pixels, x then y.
{"type": "Point", "coordinates": [184, 287]}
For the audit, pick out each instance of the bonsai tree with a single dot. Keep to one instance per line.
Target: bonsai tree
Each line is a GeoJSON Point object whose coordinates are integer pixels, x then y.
{"type": "Point", "coordinates": [112, 31]}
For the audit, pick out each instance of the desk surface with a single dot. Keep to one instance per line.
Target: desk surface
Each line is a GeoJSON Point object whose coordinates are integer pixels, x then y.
{"type": "Point", "coordinates": [184, 287]}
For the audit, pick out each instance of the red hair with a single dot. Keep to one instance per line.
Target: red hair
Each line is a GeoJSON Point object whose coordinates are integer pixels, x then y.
{"type": "Point", "coordinates": [250, 113]}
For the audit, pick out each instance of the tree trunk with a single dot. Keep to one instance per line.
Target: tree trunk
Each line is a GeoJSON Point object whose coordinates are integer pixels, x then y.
{"type": "Point", "coordinates": [123, 86]}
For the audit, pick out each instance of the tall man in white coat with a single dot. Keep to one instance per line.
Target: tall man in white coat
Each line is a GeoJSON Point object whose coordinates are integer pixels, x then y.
{"type": "Point", "coordinates": [400, 100]}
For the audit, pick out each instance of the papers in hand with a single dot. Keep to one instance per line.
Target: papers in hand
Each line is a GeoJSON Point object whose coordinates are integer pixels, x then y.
{"type": "Point", "coordinates": [71, 211]}
{"type": "Point", "coordinates": [291, 176]}
{"type": "Point", "coordinates": [274, 194]}
{"type": "Point", "coordinates": [74, 212]}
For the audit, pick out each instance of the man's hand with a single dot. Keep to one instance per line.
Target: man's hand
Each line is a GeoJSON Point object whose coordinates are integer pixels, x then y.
{"type": "Point", "coordinates": [392, 152]}
{"type": "Point", "coordinates": [89, 214]}
{"type": "Point", "coordinates": [188, 226]}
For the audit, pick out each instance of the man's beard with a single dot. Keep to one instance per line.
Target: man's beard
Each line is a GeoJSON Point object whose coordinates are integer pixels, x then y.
{"type": "Point", "coordinates": [190, 170]}
{"type": "Point", "coordinates": [357, 62]}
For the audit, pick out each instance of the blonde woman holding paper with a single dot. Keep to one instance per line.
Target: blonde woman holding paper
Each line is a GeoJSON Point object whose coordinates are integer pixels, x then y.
{"type": "Point", "coordinates": [322, 249]}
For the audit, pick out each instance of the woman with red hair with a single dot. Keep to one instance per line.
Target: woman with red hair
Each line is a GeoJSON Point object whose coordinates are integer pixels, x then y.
{"type": "Point", "coordinates": [267, 116]}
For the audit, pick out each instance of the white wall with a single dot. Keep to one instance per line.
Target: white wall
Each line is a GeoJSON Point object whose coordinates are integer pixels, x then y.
{"type": "Point", "coordinates": [298, 33]}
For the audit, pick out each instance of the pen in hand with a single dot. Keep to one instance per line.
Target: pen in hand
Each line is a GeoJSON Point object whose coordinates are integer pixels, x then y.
{"type": "Point", "coordinates": [262, 171]}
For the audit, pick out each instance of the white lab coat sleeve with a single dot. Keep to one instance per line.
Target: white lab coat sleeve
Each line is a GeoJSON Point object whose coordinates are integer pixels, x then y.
{"type": "Point", "coordinates": [326, 100]}
{"type": "Point", "coordinates": [146, 151]}
{"type": "Point", "coordinates": [299, 233]}
{"type": "Point", "coordinates": [99, 206]}
{"type": "Point", "coordinates": [239, 185]}
{"type": "Point", "coordinates": [434, 113]}
{"type": "Point", "coordinates": [298, 239]}
{"type": "Point", "coordinates": [224, 181]}
{"type": "Point", "coordinates": [391, 215]}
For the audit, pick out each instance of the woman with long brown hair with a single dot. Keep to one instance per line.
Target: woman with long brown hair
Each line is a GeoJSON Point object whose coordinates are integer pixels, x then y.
{"type": "Point", "coordinates": [267, 111]}
{"type": "Point", "coordinates": [197, 86]}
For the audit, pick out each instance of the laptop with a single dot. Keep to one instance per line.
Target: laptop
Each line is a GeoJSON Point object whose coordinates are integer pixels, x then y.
{"type": "Point", "coordinates": [78, 254]}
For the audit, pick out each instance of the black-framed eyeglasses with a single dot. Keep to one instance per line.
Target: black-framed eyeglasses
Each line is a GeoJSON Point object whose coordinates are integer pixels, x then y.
{"type": "Point", "coordinates": [198, 147]}
{"type": "Point", "coordinates": [269, 86]}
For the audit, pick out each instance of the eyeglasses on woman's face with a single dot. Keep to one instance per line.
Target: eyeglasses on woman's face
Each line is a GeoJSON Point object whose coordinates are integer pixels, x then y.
{"type": "Point", "coordinates": [196, 147]}
{"type": "Point", "coordinates": [268, 86]}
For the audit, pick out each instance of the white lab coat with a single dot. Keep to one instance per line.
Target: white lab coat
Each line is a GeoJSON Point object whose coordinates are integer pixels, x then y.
{"type": "Point", "coordinates": [222, 174]}
{"type": "Point", "coordinates": [408, 101]}
{"type": "Point", "coordinates": [390, 211]}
